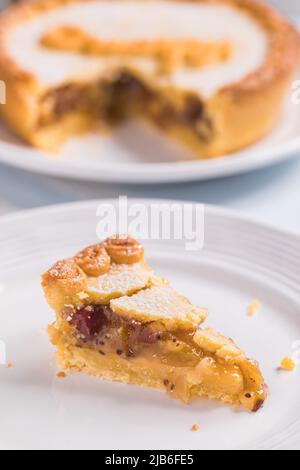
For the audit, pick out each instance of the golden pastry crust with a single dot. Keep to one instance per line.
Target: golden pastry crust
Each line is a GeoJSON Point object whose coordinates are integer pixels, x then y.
{"type": "Point", "coordinates": [241, 112]}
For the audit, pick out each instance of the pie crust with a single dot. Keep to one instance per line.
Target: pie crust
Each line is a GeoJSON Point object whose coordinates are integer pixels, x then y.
{"type": "Point", "coordinates": [129, 325]}
{"type": "Point", "coordinates": [211, 96]}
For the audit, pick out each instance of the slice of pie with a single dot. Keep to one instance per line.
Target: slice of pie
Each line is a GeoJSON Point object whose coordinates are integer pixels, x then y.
{"type": "Point", "coordinates": [115, 319]}
{"type": "Point", "coordinates": [211, 74]}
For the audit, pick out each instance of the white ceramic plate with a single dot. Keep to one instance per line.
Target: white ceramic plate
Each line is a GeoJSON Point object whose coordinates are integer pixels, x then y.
{"type": "Point", "coordinates": [138, 154]}
{"type": "Point", "coordinates": [242, 260]}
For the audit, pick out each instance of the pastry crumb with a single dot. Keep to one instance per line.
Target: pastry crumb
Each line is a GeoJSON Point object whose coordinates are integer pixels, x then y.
{"type": "Point", "coordinates": [195, 428]}
{"type": "Point", "coordinates": [288, 364]}
{"type": "Point", "coordinates": [254, 307]}
{"type": "Point", "coordinates": [61, 375]}
{"type": "Point", "coordinates": [9, 365]}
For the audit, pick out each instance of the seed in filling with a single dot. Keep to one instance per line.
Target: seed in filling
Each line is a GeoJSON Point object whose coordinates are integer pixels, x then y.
{"type": "Point", "coordinates": [67, 99]}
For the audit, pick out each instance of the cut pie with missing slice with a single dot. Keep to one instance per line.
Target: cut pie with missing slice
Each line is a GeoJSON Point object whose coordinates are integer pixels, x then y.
{"type": "Point", "coordinates": [116, 320]}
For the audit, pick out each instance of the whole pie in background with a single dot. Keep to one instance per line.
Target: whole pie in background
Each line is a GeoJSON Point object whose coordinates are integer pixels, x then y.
{"type": "Point", "coordinates": [116, 320]}
{"type": "Point", "coordinates": [211, 74]}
